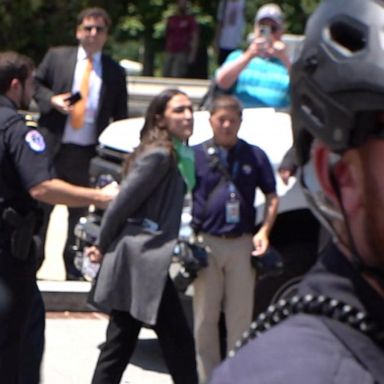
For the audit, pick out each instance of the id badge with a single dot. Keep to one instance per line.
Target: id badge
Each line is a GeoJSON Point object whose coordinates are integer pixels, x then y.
{"type": "Point", "coordinates": [232, 211]}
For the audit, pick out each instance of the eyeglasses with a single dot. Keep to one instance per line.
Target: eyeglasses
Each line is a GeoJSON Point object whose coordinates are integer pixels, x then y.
{"type": "Point", "coordinates": [99, 28]}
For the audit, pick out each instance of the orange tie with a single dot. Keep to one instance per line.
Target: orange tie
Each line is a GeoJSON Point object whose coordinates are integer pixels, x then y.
{"type": "Point", "coordinates": [79, 108]}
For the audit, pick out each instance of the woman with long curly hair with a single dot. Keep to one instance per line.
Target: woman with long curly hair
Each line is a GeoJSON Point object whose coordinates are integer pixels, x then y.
{"type": "Point", "coordinates": [138, 233]}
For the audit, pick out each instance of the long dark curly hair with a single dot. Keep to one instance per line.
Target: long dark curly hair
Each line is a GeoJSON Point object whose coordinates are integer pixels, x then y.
{"type": "Point", "coordinates": [152, 134]}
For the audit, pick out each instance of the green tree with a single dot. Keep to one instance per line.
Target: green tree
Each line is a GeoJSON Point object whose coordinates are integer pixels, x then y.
{"type": "Point", "coordinates": [144, 25]}
{"type": "Point", "coordinates": [32, 26]}
{"type": "Point", "coordinates": [139, 24]}
{"type": "Point", "coordinates": [145, 21]}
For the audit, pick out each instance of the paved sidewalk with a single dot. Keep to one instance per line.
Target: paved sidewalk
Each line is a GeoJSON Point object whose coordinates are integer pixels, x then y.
{"type": "Point", "coordinates": [53, 266]}
{"type": "Point", "coordinates": [72, 338]}
{"type": "Point", "coordinates": [71, 352]}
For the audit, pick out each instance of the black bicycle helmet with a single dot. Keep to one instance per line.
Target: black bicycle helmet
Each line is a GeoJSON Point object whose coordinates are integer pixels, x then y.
{"type": "Point", "coordinates": [337, 81]}
{"type": "Point", "coordinates": [338, 97]}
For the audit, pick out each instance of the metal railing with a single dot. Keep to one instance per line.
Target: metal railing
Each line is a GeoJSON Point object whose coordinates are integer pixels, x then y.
{"type": "Point", "coordinates": [142, 89]}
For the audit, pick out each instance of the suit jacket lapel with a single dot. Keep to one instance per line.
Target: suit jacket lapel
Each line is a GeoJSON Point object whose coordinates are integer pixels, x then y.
{"type": "Point", "coordinates": [104, 77]}
{"type": "Point", "coordinates": [69, 66]}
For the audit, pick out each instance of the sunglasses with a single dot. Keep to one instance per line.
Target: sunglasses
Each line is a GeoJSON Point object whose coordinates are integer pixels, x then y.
{"type": "Point", "coordinates": [99, 29]}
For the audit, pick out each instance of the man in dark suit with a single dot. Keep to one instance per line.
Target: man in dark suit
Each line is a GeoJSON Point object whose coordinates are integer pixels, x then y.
{"type": "Point", "coordinates": [63, 72]}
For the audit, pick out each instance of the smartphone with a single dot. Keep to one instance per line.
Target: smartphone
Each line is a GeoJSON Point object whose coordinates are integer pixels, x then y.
{"type": "Point", "coordinates": [265, 35]}
{"type": "Point", "coordinates": [74, 98]}
{"type": "Point", "coordinates": [265, 31]}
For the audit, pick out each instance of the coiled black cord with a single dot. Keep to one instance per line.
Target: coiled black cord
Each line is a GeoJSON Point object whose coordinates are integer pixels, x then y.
{"type": "Point", "coordinates": [311, 305]}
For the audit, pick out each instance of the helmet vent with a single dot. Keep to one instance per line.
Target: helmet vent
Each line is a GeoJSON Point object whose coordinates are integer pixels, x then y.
{"type": "Point", "coordinates": [347, 37]}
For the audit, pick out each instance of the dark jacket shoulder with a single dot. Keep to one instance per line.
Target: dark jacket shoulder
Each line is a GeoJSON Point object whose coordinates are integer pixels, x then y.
{"type": "Point", "coordinates": [299, 350]}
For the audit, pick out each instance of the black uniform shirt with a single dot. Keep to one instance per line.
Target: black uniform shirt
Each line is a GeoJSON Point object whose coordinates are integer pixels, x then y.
{"type": "Point", "coordinates": [372, 302]}
{"type": "Point", "coordinates": [303, 349]}
{"type": "Point", "coordinates": [25, 162]}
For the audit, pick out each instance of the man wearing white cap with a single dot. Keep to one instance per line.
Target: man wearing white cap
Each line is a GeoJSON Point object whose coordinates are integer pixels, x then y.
{"type": "Point", "coordinates": [259, 76]}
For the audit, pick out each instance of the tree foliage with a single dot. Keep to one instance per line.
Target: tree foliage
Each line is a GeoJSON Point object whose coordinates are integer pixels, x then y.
{"type": "Point", "coordinates": [32, 26]}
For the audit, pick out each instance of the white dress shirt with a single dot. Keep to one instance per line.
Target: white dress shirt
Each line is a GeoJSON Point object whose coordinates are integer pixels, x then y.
{"type": "Point", "coordinates": [86, 135]}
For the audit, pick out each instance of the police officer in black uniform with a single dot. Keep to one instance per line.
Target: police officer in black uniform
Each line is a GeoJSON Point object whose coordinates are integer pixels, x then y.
{"type": "Point", "coordinates": [25, 177]}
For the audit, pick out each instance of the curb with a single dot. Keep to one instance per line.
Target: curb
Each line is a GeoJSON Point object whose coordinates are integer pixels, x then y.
{"type": "Point", "coordinates": [65, 295]}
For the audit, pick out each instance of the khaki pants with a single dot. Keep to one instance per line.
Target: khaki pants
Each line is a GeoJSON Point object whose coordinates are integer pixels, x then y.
{"type": "Point", "coordinates": [227, 284]}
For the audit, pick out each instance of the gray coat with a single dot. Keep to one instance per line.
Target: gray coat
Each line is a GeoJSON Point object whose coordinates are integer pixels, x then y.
{"type": "Point", "coordinates": [136, 260]}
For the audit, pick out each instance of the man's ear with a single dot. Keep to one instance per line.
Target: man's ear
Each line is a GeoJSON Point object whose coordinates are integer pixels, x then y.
{"type": "Point", "coordinates": [14, 90]}
{"type": "Point", "coordinates": [320, 155]}
{"type": "Point", "coordinates": [15, 84]}
{"type": "Point", "coordinates": [338, 179]}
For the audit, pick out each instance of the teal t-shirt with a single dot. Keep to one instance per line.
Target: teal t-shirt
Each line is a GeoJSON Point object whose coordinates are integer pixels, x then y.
{"type": "Point", "coordinates": [262, 83]}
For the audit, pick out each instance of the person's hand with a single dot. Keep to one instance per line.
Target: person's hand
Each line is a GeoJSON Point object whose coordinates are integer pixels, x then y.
{"type": "Point", "coordinates": [271, 48]}
{"type": "Point", "coordinates": [278, 49]}
{"type": "Point", "coordinates": [108, 193]}
{"type": "Point", "coordinates": [61, 103]}
{"type": "Point", "coordinates": [260, 243]}
{"type": "Point", "coordinates": [258, 47]}
{"type": "Point", "coordinates": [94, 254]}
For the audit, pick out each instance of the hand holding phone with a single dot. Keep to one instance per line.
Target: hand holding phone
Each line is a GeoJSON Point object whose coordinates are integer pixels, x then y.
{"type": "Point", "coordinates": [264, 38]}
{"type": "Point", "coordinates": [74, 98]}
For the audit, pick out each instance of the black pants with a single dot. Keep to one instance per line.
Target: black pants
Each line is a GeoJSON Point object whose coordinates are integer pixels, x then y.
{"type": "Point", "coordinates": [72, 165]}
{"type": "Point", "coordinates": [34, 340]}
{"type": "Point", "coordinates": [22, 333]}
{"type": "Point", "coordinates": [174, 336]}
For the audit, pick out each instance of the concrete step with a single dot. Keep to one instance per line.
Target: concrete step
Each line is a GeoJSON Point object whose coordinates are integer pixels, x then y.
{"type": "Point", "coordinates": [65, 295]}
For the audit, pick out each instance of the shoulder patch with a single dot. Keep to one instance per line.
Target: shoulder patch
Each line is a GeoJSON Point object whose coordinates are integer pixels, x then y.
{"type": "Point", "coordinates": [35, 141]}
